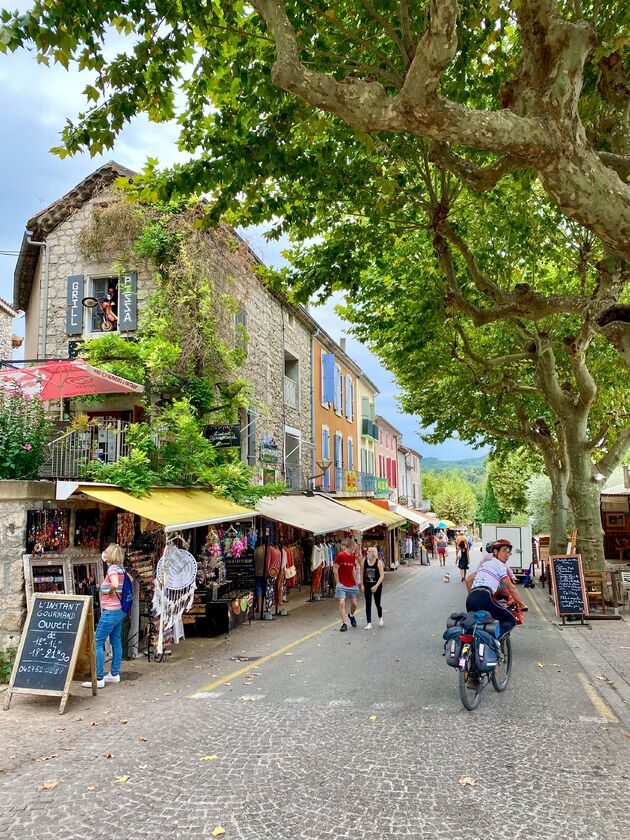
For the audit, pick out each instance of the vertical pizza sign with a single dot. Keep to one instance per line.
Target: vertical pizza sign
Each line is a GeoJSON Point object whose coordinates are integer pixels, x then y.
{"type": "Point", "coordinates": [128, 303]}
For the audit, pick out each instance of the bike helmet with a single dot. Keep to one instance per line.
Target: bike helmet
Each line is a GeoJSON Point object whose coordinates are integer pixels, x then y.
{"type": "Point", "coordinates": [497, 544]}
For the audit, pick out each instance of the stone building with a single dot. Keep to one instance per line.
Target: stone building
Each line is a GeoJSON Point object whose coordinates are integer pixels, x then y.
{"type": "Point", "coordinates": [53, 276]}
{"type": "Point", "coordinates": [7, 341]}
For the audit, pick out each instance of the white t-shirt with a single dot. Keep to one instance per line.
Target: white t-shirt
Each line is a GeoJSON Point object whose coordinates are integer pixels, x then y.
{"type": "Point", "coordinates": [490, 573]}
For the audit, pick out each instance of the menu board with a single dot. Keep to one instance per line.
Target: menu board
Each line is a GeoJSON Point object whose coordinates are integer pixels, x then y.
{"type": "Point", "coordinates": [58, 639]}
{"type": "Point", "coordinates": [568, 585]}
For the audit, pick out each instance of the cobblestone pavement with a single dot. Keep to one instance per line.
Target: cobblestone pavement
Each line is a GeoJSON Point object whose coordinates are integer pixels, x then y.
{"type": "Point", "coordinates": [354, 735]}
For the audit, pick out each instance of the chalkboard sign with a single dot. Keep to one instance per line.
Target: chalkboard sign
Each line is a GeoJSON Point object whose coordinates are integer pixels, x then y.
{"type": "Point", "coordinates": [57, 641]}
{"type": "Point", "coordinates": [568, 585]}
{"type": "Point", "coordinates": [224, 436]}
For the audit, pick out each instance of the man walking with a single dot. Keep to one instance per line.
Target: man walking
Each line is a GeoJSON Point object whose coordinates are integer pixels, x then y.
{"type": "Point", "coordinates": [347, 580]}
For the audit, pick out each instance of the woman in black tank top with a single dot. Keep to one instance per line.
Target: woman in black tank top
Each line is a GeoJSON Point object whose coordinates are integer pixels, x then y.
{"type": "Point", "coordinates": [373, 575]}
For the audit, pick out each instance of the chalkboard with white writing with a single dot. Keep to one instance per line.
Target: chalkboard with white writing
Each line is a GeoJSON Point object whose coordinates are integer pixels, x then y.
{"type": "Point", "coordinates": [57, 646]}
{"type": "Point", "coordinates": [568, 585]}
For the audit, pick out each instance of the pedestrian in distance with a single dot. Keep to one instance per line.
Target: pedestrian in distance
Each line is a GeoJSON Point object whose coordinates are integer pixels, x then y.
{"type": "Point", "coordinates": [373, 577]}
{"type": "Point", "coordinates": [463, 555]}
{"type": "Point", "coordinates": [112, 616]}
{"type": "Point", "coordinates": [441, 548]}
{"type": "Point", "coordinates": [347, 581]}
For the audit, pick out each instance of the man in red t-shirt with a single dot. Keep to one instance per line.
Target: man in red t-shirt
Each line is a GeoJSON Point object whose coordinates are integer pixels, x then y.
{"type": "Point", "coordinates": [347, 580]}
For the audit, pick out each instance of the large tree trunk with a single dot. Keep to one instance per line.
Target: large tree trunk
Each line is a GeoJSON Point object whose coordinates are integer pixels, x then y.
{"type": "Point", "coordinates": [584, 494]}
{"type": "Point", "coordinates": [560, 506]}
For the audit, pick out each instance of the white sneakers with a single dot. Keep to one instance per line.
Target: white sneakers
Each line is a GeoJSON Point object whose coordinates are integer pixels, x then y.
{"type": "Point", "coordinates": [380, 623]}
{"type": "Point", "coordinates": [368, 626]}
{"type": "Point", "coordinates": [108, 678]}
{"type": "Point", "coordinates": [88, 684]}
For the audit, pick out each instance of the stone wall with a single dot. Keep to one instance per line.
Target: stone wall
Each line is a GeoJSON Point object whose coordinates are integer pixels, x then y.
{"type": "Point", "coordinates": [16, 497]}
{"type": "Point", "coordinates": [6, 335]}
{"type": "Point", "coordinates": [272, 324]}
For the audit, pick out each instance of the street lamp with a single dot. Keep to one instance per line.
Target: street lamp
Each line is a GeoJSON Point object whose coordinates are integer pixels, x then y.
{"type": "Point", "coordinates": [323, 466]}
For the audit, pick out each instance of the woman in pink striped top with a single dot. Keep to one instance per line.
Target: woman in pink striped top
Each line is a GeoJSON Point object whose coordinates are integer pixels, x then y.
{"type": "Point", "coordinates": [112, 617]}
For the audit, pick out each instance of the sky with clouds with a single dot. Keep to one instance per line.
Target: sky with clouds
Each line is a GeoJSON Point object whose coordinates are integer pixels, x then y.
{"type": "Point", "coordinates": [35, 102]}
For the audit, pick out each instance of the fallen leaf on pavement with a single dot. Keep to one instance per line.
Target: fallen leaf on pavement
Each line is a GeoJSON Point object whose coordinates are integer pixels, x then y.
{"type": "Point", "coordinates": [123, 721]}
{"type": "Point", "coordinates": [218, 831]}
{"type": "Point", "coordinates": [60, 729]}
{"type": "Point", "coordinates": [372, 717]}
{"type": "Point", "coordinates": [78, 718]}
{"type": "Point", "coordinates": [167, 693]}
{"type": "Point", "coordinates": [142, 766]}
{"type": "Point", "coordinates": [94, 723]}
{"type": "Point", "coordinates": [142, 738]}
{"type": "Point", "coordinates": [289, 654]}
{"type": "Point", "coordinates": [51, 785]}
{"type": "Point", "coordinates": [43, 757]}
{"type": "Point", "coordinates": [70, 749]}
{"type": "Point", "coordinates": [540, 664]}
{"type": "Point", "coordinates": [468, 780]}
{"type": "Point", "coordinates": [91, 787]}
{"type": "Point", "coordinates": [109, 755]}
{"type": "Point", "coordinates": [122, 779]}
{"type": "Point", "coordinates": [246, 698]}
{"type": "Point", "coordinates": [208, 758]}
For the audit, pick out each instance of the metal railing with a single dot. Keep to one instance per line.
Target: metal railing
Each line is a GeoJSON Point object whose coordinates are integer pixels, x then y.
{"type": "Point", "coordinates": [340, 480]}
{"type": "Point", "coordinates": [104, 441]}
{"type": "Point", "coordinates": [295, 477]}
{"type": "Point", "coordinates": [291, 396]}
{"type": "Point", "coordinates": [369, 428]}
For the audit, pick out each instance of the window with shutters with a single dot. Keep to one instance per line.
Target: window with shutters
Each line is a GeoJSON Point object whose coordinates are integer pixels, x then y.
{"type": "Point", "coordinates": [350, 454]}
{"type": "Point", "coordinates": [326, 457]}
{"type": "Point", "coordinates": [338, 400]}
{"type": "Point", "coordinates": [328, 379]}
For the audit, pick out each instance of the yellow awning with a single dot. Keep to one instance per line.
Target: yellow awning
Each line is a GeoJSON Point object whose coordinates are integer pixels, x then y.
{"type": "Point", "coordinates": [369, 509]}
{"type": "Point", "coordinates": [172, 507]}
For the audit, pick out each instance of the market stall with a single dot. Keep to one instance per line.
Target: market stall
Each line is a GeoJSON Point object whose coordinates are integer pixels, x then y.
{"type": "Point", "coordinates": [385, 535]}
{"type": "Point", "coordinates": [311, 526]}
{"type": "Point", "coordinates": [190, 553]}
{"type": "Point", "coordinates": [410, 540]}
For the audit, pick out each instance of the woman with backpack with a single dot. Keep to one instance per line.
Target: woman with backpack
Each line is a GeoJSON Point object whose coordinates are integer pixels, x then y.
{"type": "Point", "coordinates": [114, 595]}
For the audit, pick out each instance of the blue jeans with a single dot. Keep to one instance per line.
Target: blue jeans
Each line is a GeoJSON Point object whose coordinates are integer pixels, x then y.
{"type": "Point", "coordinates": [483, 600]}
{"type": "Point", "coordinates": [109, 624]}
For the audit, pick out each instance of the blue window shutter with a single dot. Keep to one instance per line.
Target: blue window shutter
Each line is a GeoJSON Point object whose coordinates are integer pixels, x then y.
{"type": "Point", "coordinates": [350, 455]}
{"type": "Point", "coordinates": [325, 443]}
{"type": "Point", "coordinates": [328, 376]}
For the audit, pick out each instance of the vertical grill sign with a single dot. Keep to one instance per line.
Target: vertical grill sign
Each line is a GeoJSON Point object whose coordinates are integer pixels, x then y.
{"type": "Point", "coordinates": [74, 309]}
{"type": "Point", "coordinates": [128, 302]}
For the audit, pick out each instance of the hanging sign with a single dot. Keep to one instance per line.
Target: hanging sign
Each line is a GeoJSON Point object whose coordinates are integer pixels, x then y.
{"type": "Point", "coordinates": [57, 646]}
{"type": "Point", "coordinates": [128, 302]}
{"type": "Point", "coordinates": [352, 485]}
{"type": "Point", "coordinates": [74, 305]}
{"type": "Point", "coordinates": [223, 436]}
{"type": "Point", "coordinates": [568, 585]}
{"type": "Point", "coordinates": [381, 488]}
{"type": "Point", "coordinates": [269, 453]}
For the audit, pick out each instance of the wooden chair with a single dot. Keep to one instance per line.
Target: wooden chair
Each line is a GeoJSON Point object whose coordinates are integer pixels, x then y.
{"type": "Point", "coordinates": [594, 582]}
{"type": "Point", "coordinates": [625, 587]}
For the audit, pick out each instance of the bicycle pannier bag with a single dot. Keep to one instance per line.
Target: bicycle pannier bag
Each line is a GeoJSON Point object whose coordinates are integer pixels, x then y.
{"type": "Point", "coordinates": [486, 651]}
{"type": "Point", "coordinates": [452, 646]}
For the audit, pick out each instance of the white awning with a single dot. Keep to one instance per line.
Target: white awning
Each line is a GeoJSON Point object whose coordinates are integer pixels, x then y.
{"type": "Point", "coordinates": [411, 516]}
{"type": "Point", "coordinates": [315, 514]}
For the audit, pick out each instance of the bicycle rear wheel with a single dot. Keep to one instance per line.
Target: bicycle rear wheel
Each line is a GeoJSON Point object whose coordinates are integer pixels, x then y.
{"type": "Point", "coordinates": [470, 686]}
{"type": "Point", "coordinates": [501, 674]}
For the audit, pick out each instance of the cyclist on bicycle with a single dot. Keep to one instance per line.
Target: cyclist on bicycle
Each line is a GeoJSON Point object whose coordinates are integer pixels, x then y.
{"type": "Point", "coordinates": [491, 576]}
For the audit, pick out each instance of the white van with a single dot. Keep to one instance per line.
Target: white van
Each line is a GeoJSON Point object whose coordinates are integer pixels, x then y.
{"type": "Point", "coordinates": [521, 538]}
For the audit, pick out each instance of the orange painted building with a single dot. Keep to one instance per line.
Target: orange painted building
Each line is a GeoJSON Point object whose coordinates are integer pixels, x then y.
{"type": "Point", "coordinates": [334, 418]}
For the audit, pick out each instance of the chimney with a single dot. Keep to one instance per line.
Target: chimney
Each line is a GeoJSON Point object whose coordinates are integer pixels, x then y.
{"type": "Point", "coordinates": [342, 343]}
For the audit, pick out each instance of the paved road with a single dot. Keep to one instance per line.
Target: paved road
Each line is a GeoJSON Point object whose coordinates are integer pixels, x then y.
{"type": "Point", "coordinates": [287, 748]}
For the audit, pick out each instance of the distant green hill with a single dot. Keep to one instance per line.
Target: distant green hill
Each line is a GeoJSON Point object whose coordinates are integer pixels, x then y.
{"type": "Point", "coordinates": [473, 469]}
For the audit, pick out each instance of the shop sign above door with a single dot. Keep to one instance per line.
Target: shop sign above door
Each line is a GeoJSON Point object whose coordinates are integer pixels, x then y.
{"type": "Point", "coordinates": [269, 452]}
{"type": "Point", "coordinates": [224, 435]}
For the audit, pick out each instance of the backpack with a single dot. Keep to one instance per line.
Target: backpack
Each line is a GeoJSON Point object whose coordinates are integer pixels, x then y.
{"type": "Point", "coordinates": [126, 597]}
{"type": "Point", "coordinates": [452, 646]}
{"type": "Point", "coordinates": [486, 651]}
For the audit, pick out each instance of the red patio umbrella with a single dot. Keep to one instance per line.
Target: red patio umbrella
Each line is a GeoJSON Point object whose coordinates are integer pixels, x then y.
{"type": "Point", "coordinates": [67, 378]}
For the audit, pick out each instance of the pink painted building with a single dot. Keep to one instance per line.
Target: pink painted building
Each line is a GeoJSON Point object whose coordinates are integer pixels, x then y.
{"type": "Point", "coordinates": [387, 454]}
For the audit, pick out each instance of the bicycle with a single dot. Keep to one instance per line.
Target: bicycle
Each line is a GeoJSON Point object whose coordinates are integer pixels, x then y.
{"type": "Point", "coordinates": [471, 680]}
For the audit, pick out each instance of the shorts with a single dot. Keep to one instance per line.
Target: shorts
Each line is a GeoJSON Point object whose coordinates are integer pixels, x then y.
{"type": "Point", "coordinates": [259, 586]}
{"type": "Point", "coordinates": [342, 592]}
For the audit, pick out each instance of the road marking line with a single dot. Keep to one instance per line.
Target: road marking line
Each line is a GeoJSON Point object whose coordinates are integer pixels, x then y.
{"type": "Point", "coordinates": [205, 695]}
{"type": "Point", "coordinates": [263, 659]}
{"type": "Point", "coordinates": [599, 704]}
{"type": "Point", "coordinates": [538, 609]}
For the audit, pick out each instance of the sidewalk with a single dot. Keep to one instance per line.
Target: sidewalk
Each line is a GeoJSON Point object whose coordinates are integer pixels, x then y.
{"type": "Point", "coordinates": [602, 649]}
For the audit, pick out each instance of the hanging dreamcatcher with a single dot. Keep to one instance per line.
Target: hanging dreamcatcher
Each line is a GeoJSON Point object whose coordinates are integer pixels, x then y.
{"type": "Point", "coordinates": [174, 592]}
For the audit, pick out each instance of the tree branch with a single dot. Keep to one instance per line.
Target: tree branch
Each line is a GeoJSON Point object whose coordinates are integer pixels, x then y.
{"type": "Point", "coordinates": [615, 454]}
{"type": "Point", "coordinates": [405, 25]}
{"type": "Point", "coordinates": [478, 178]}
{"type": "Point", "coordinates": [618, 163]}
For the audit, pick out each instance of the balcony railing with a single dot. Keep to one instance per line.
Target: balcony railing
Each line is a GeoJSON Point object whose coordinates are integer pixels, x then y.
{"type": "Point", "coordinates": [104, 441]}
{"type": "Point", "coordinates": [340, 480]}
{"type": "Point", "coordinates": [291, 396]}
{"type": "Point", "coordinates": [369, 428]}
